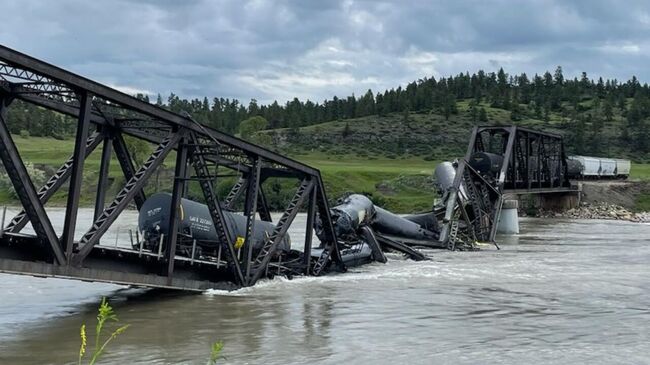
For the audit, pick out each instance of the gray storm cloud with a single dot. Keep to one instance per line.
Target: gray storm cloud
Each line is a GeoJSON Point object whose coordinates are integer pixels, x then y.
{"type": "Point", "coordinates": [271, 50]}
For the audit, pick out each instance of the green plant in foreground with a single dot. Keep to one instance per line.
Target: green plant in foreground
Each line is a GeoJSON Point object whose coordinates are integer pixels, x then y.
{"type": "Point", "coordinates": [215, 352]}
{"type": "Point", "coordinates": [105, 313]}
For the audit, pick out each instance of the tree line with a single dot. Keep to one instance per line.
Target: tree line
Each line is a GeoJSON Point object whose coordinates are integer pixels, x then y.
{"type": "Point", "coordinates": [586, 106]}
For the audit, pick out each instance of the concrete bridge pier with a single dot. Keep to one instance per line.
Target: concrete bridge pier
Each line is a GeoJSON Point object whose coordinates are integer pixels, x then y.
{"type": "Point", "coordinates": [509, 217]}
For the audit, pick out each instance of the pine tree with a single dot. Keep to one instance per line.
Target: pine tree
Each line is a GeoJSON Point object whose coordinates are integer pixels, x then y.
{"type": "Point", "coordinates": [608, 110]}
{"type": "Point", "coordinates": [597, 127]}
{"type": "Point", "coordinates": [405, 115]}
{"type": "Point", "coordinates": [482, 116]}
{"type": "Point", "coordinates": [346, 130]}
{"type": "Point", "coordinates": [578, 136]}
{"type": "Point", "coordinates": [547, 114]}
{"type": "Point", "coordinates": [515, 113]}
{"type": "Point", "coordinates": [641, 135]}
{"type": "Point", "coordinates": [473, 111]}
{"type": "Point", "coordinates": [558, 77]}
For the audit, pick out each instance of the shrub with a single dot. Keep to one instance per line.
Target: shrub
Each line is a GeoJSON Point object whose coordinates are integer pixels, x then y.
{"type": "Point", "coordinates": [105, 314]}
{"type": "Point", "coordinates": [58, 136]}
{"type": "Point", "coordinates": [37, 176]}
{"type": "Point", "coordinates": [215, 352]}
{"type": "Point", "coordinates": [24, 133]}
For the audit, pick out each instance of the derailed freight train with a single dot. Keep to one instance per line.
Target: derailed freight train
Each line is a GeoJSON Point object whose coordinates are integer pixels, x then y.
{"type": "Point", "coordinates": [364, 231]}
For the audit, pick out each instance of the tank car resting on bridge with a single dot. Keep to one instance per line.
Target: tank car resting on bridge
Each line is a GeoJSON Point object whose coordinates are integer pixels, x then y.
{"type": "Point", "coordinates": [195, 228]}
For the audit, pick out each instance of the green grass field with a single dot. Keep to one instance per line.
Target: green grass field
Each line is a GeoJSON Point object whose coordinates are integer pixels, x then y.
{"type": "Point", "coordinates": [401, 183]}
{"type": "Point", "coordinates": [49, 154]}
{"type": "Point", "coordinates": [53, 152]}
{"type": "Point", "coordinates": [381, 177]}
{"type": "Point", "coordinates": [640, 171]}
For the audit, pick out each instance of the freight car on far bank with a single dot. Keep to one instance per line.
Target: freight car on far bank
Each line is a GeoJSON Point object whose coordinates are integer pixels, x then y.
{"type": "Point", "coordinates": [586, 167]}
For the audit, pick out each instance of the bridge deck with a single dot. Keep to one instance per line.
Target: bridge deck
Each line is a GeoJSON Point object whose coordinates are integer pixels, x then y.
{"type": "Point", "coordinates": [116, 265]}
{"type": "Point", "coordinates": [556, 190]}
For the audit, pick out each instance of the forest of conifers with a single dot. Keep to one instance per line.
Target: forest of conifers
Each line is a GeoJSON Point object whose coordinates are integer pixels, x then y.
{"type": "Point", "coordinates": [586, 105]}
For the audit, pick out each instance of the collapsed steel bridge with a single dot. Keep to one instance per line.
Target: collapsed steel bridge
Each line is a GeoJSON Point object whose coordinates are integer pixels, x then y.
{"type": "Point", "coordinates": [104, 117]}
{"type": "Point", "coordinates": [499, 160]}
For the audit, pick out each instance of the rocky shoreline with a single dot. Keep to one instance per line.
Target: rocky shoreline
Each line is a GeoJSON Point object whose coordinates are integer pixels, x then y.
{"type": "Point", "coordinates": [598, 211]}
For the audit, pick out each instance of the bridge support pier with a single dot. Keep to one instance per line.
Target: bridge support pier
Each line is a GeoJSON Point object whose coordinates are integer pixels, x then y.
{"type": "Point", "coordinates": [553, 202]}
{"type": "Point", "coordinates": [558, 202]}
{"type": "Point", "coordinates": [509, 217]}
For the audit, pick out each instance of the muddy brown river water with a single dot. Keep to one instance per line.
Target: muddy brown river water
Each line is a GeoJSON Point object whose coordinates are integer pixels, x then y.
{"type": "Point", "coordinates": [562, 292]}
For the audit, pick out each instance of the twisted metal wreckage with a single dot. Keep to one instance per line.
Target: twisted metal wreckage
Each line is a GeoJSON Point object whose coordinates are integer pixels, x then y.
{"type": "Point", "coordinates": [195, 246]}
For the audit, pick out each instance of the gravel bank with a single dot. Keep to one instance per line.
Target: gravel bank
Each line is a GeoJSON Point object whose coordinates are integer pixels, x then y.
{"type": "Point", "coordinates": [601, 210]}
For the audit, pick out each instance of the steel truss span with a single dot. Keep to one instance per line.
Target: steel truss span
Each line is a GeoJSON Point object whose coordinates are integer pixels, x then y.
{"type": "Point", "coordinates": [500, 160]}
{"type": "Point", "coordinates": [202, 155]}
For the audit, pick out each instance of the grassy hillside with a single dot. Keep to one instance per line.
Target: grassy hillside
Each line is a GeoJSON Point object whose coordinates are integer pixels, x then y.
{"type": "Point", "coordinates": [389, 157]}
{"type": "Point", "coordinates": [392, 157]}
{"type": "Point", "coordinates": [429, 135]}
{"type": "Point", "coordinates": [403, 184]}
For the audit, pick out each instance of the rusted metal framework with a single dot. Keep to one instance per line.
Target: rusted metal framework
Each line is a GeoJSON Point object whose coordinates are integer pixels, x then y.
{"type": "Point", "coordinates": [532, 162]}
{"type": "Point", "coordinates": [105, 116]}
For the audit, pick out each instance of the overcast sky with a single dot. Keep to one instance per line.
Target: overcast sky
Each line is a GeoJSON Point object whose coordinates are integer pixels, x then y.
{"type": "Point", "coordinates": [271, 50]}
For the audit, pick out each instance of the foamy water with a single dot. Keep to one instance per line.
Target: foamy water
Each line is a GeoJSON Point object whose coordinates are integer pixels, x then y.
{"type": "Point", "coordinates": [561, 292]}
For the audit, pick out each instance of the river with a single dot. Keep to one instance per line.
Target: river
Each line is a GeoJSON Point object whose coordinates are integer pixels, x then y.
{"type": "Point", "coordinates": [561, 292]}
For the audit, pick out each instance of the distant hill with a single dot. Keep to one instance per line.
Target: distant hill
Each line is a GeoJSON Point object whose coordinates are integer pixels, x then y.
{"type": "Point", "coordinates": [431, 136]}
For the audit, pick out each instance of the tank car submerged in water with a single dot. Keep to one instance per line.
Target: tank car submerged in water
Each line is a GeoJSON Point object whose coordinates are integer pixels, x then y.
{"type": "Point", "coordinates": [354, 218]}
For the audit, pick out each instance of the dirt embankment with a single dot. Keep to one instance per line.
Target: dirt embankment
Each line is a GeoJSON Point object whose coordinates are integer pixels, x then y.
{"type": "Point", "coordinates": [623, 193]}
{"type": "Point", "coordinates": [619, 200]}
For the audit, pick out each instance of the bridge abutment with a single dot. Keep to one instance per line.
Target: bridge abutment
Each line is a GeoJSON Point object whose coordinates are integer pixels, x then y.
{"type": "Point", "coordinates": [532, 204]}
{"type": "Point", "coordinates": [558, 202]}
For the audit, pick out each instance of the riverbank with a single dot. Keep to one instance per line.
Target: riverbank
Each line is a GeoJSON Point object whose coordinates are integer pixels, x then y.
{"type": "Point", "coordinates": [600, 210]}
